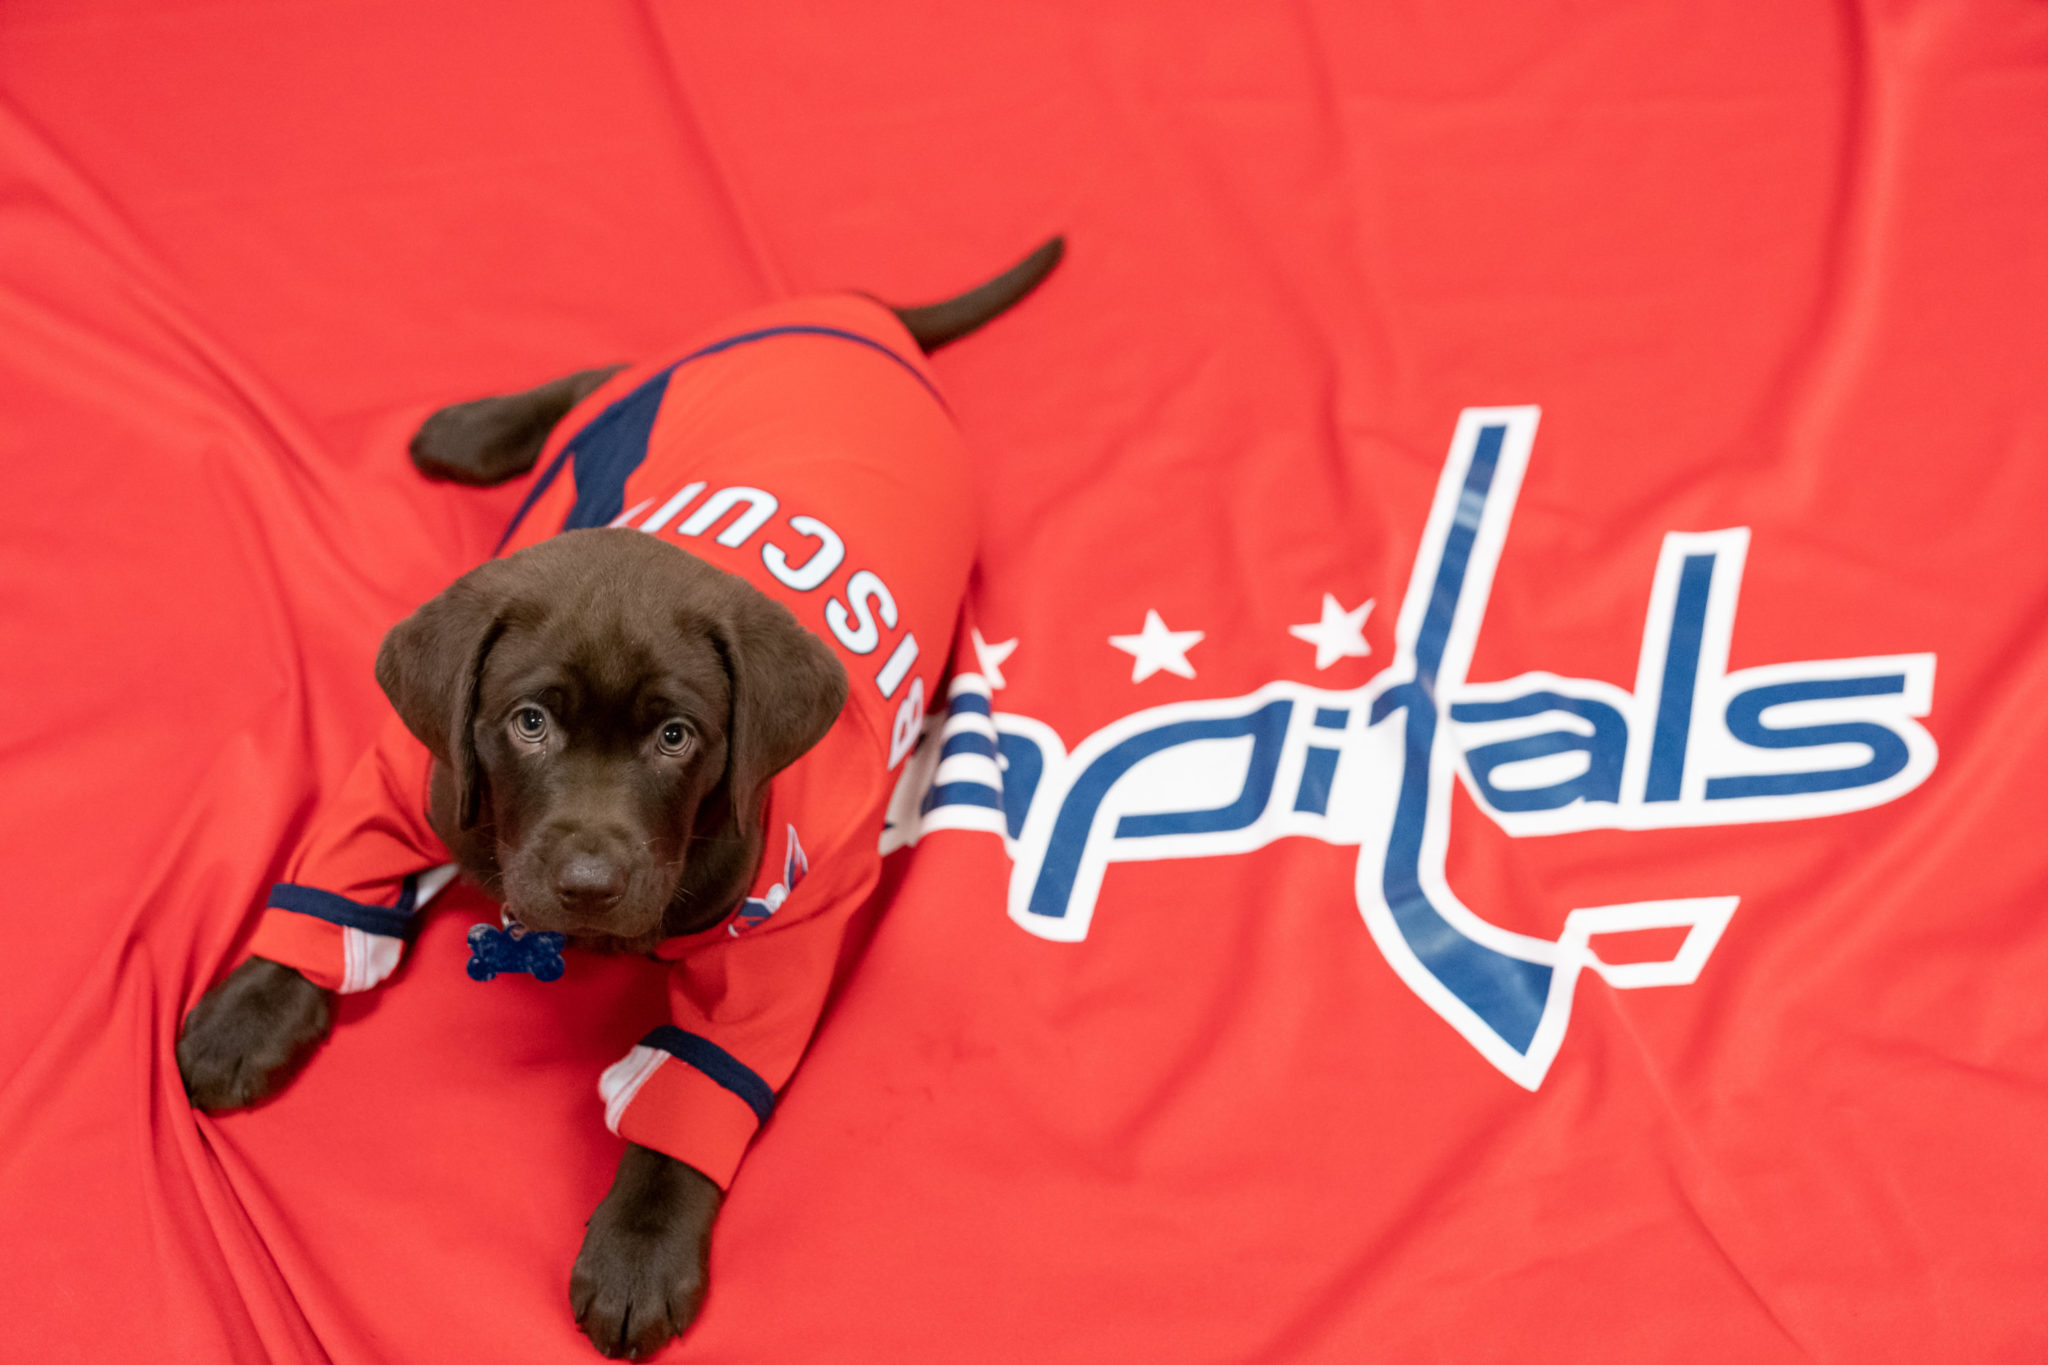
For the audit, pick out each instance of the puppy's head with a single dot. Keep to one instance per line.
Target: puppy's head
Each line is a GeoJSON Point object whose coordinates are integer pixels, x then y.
{"type": "Point", "coordinates": [607, 710]}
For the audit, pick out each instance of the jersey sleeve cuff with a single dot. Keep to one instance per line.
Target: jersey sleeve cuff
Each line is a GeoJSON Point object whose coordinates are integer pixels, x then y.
{"type": "Point", "coordinates": [332, 941]}
{"type": "Point", "coordinates": [688, 1098]}
{"type": "Point", "coordinates": [313, 947]}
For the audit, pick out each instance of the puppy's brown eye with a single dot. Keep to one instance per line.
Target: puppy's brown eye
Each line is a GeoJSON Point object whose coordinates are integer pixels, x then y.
{"type": "Point", "coordinates": [674, 738]}
{"type": "Point", "coordinates": [530, 723]}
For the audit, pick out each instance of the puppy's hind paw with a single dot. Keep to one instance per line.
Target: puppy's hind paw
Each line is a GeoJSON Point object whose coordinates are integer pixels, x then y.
{"type": "Point", "coordinates": [246, 1036]}
{"type": "Point", "coordinates": [489, 440]}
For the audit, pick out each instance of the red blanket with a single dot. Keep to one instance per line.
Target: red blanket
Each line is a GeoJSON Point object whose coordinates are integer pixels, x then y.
{"type": "Point", "coordinates": [1498, 821]}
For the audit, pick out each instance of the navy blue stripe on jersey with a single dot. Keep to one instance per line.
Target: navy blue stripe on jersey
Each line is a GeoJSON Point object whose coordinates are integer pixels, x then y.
{"type": "Point", "coordinates": [811, 330]}
{"type": "Point", "coordinates": [963, 794]}
{"type": "Point", "coordinates": [614, 444]}
{"type": "Point", "coordinates": [606, 452]}
{"type": "Point", "coordinates": [967, 742]}
{"type": "Point", "coordinates": [715, 1062]}
{"type": "Point", "coordinates": [968, 703]}
{"type": "Point", "coordinates": [391, 921]}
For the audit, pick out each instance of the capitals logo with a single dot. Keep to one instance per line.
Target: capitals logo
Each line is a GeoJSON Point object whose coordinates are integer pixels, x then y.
{"type": "Point", "coordinates": [1692, 744]}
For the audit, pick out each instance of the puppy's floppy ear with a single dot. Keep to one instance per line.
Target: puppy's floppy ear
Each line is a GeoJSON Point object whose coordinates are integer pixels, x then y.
{"type": "Point", "coordinates": [430, 666]}
{"type": "Point", "coordinates": [787, 689]}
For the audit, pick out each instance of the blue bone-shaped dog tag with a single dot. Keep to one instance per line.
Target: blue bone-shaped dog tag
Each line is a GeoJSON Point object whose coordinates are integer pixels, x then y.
{"type": "Point", "coordinates": [515, 949]}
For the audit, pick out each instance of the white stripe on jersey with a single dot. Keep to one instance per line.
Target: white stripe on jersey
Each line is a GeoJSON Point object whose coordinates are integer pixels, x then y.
{"type": "Point", "coordinates": [367, 958]}
{"type": "Point", "coordinates": [622, 1081]}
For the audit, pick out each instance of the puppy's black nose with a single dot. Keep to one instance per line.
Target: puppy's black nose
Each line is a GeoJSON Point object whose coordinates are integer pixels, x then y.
{"type": "Point", "coordinates": [589, 882]}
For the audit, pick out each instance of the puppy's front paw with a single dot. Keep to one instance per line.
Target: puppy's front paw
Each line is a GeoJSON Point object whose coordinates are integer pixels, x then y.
{"type": "Point", "coordinates": [244, 1037]}
{"type": "Point", "coordinates": [640, 1277]}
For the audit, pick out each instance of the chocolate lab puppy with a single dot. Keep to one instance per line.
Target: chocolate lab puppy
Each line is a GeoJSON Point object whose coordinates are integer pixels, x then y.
{"type": "Point", "coordinates": [606, 725]}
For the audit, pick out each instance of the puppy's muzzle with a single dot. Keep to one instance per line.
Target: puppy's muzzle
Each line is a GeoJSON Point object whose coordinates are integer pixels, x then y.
{"type": "Point", "coordinates": [584, 879]}
{"type": "Point", "coordinates": [589, 884]}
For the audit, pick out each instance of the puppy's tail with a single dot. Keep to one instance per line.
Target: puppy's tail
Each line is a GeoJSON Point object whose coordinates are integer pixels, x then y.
{"type": "Point", "coordinates": [936, 324]}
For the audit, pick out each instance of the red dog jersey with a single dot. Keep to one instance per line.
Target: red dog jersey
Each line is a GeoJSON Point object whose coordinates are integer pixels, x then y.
{"type": "Point", "coordinates": [804, 448]}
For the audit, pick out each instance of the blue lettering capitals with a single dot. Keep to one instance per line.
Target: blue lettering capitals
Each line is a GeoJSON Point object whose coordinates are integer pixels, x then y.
{"type": "Point", "coordinates": [1691, 744]}
{"type": "Point", "coordinates": [1694, 744]}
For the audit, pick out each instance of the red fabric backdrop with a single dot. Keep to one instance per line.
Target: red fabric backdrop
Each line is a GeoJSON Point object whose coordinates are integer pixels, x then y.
{"type": "Point", "coordinates": [1776, 266]}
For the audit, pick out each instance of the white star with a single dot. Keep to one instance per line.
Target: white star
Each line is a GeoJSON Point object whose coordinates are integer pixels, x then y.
{"type": "Point", "coordinates": [1339, 635]}
{"type": "Point", "coordinates": [1156, 647]}
{"type": "Point", "coordinates": [990, 658]}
